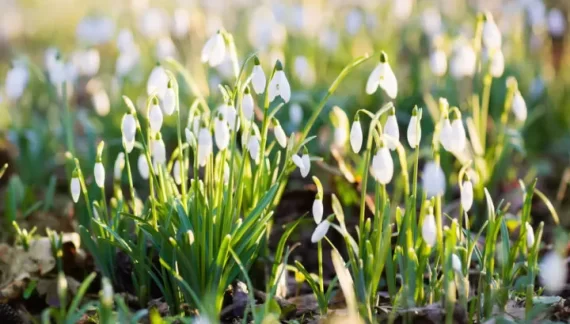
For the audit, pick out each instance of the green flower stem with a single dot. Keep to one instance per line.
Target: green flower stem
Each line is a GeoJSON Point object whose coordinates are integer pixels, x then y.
{"type": "Point", "coordinates": [180, 155]}
{"type": "Point", "coordinates": [487, 82]}
{"type": "Point", "coordinates": [131, 186]}
{"type": "Point", "coordinates": [501, 143]}
{"type": "Point", "coordinates": [320, 256]}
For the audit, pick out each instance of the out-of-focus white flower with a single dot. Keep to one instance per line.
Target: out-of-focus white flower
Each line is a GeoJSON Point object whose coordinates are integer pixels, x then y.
{"type": "Point", "coordinates": [318, 210]}
{"type": "Point", "coordinates": [221, 132]}
{"type": "Point", "coordinates": [157, 82]}
{"type": "Point", "coordinates": [258, 79]}
{"type": "Point", "coordinates": [158, 152]}
{"type": "Point", "coordinates": [99, 174]}
{"type": "Point", "coordinates": [491, 36]}
{"type": "Point", "coordinates": [204, 146]}
{"type": "Point", "coordinates": [176, 172]}
{"type": "Point", "coordinates": [402, 9]}
{"type": "Point", "coordinates": [466, 195]}
{"type": "Point", "coordinates": [321, 231]}
{"type": "Point", "coordinates": [463, 62]}
{"type": "Point", "coordinates": [142, 165]}
{"type": "Point", "coordinates": [383, 77]}
{"type": "Point", "coordinates": [264, 30]}
{"type": "Point", "coordinates": [445, 133]}
{"type": "Point", "coordinates": [107, 293]}
{"type": "Point", "coordinates": [281, 281]}
{"type": "Point", "coordinates": [230, 115]}
{"type": "Point", "coordinates": [214, 51]}
{"type": "Point", "coordinates": [431, 21]}
{"type": "Point", "coordinates": [155, 117]}
{"type": "Point", "coordinates": [119, 166]}
{"type": "Point", "coordinates": [553, 272]}
{"type": "Point", "coordinates": [75, 187]}
{"type": "Point", "coordinates": [57, 71]}
{"type": "Point", "coordinates": [16, 81]}
{"type": "Point", "coordinates": [125, 40]}
{"type": "Point", "coordinates": [382, 166]}
{"type": "Point", "coordinates": [303, 163]}
{"type": "Point", "coordinates": [456, 263]}
{"type": "Point", "coordinates": [414, 133]}
{"type": "Point", "coordinates": [87, 61]}
{"type": "Point", "coordinates": [341, 126]}
{"type": "Point", "coordinates": [329, 39]}
{"type": "Point", "coordinates": [356, 136]}
{"type": "Point", "coordinates": [279, 85]}
{"type": "Point", "coordinates": [247, 104]}
{"type": "Point", "coordinates": [153, 23]}
{"type": "Point", "coordinates": [169, 100]}
{"type": "Point", "coordinates": [497, 67]}
{"type": "Point", "coordinates": [253, 147]}
{"type": "Point", "coordinates": [126, 61]}
{"type": "Point", "coordinates": [101, 102]}
{"type": "Point", "coordinates": [279, 133]}
{"type": "Point", "coordinates": [95, 30]}
{"type": "Point", "coordinates": [353, 21]}
{"type": "Point", "coordinates": [180, 22]}
{"type": "Point", "coordinates": [556, 22]}
{"type": "Point", "coordinates": [458, 138]}
{"type": "Point", "coordinates": [519, 107]}
{"type": "Point", "coordinates": [304, 71]}
{"type": "Point", "coordinates": [392, 130]}
{"type": "Point", "coordinates": [295, 114]}
{"type": "Point", "coordinates": [433, 179]}
{"type": "Point", "coordinates": [165, 48]}
{"type": "Point", "coordinates": [529, 235]}
{"type": "Point", "coordinates": [128, 130]}
{"type": "Point", "coordinates": [438, 62]}
{"type": "Point", "coordinates": [429, 229]}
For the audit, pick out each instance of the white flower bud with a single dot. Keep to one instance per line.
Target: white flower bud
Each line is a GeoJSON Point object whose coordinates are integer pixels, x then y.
{"type": "Point", "coordinates": [497, 67]}
{"type": "Point", "coordinates": [99, 174]}
{"type": "Point", "coordinates": [467, 195]}
{"type": "Point", "coordinates": [282, 289]}
{"type": "Point", "coordinates": [303, 163]}
{"type": "Point", "coordinates": [382, 166]}
{"type": "Point", "coordinates": [519, 107]}
{"type": "Point", "coordinates": [280, 135]}
{"type": "Point", "coordinates": [253, 147]}
{"type": "Point", "coordinates": [429, 229]}
{"type": "Point", "coordinates": [16, 81]}
{"type": "Point", "coordinates": [230, 115]}
{"type": "Point", "coordinates": [553, 272]}
{"type": "Point", "coordinates": [258, 79]}
{"type": "Point", "coordinates": [320, 231]}
{"type": "Point", "coordinates": [356, 136]}
{"type": "Point", "coordinates": [176, 172]}
{"type": "Point", "coordinates": [142, 165]}
{"type": "Point", "coordinates": [529, 235]}
{"type": "Point", "coordinates": [414, 133]}
{"type": "Point", "coordinates": [128, 129]}
{"type": "Point", "coordinates": [247, 105]}
{"type": "Point", "coordinates": [204, 146]}
{"type": "Point", "coordinates": [214, 51]}
{"type": "Point", "coordinates": [383, 77]}
{"type": "Point", "coordinates": [392, 130]}
{"type": "Point", "coordinates": [445, 134]}
{"type": "Point", "coordinates": [158, 152]}
{"type": "Point", "coordinates": [433, 179]}
{"type": "Point", "coordinates": [155, 118]}
{"type": "Point", "coordinates": [169, 102]}
{"type": "Point", "coordinates": [458, 137]}
{"type": "Point", "coordinates": [464, 62]}
{"type": "Point", "coordinates": [491, 34]}
{"type": "Point", "coordinates": [107, 293]}
{"type": "Point", "coordinates": [318, 210]}
{"type": "Point", "coordinates": [190, 235]}
{"type": "Point", "coordinates": [438, 62]}
{"type": "Point", "coordinates": [157, 82]}
{"type": "Point", "coordinates": [75, 188]}
{"type": "Point", "coordinates": [456, 263]}
{"type": "Point", "coordinates": [221, 133]}
{"type": "Point", "coordinates": [279, 86]}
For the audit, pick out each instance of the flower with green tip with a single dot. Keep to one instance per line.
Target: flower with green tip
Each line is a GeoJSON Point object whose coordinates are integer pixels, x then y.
{"type": "Point", "coordinates": [383, 77]}
{"type": "Point", "coordinates": [279, 133]}
{"type": "Point", "coordinates": [491, 36]}
{"type": "Point", "coordinates": [279, 85]}
{"type": "Point", "coordinates": [466, 191]}
{"type": "Point", "coordinates": [155, 117]}
{"type": "Point", "coordinates": [318, 202]}
{"type": "Point", "coordinates": [414, 133]}
{"type": "Point", "coordinates": [258, 79]}
{"type": "Point", "coordinates": [128, 130]}
{"type": "Point", "coordinates": [253, 146]}
{"type": "Point", "coordinates": [382, 168]}
{"type": "Point", "coordinates": [303, 163]}
{"type": "Point", "coordinates": [458, 139]}
{"type": "Point", "coordinates": [75, 186]}
{"type": "Point", "coordinates": [519, 107]}
{"type": "Point", "coordinates": [99, 173]}
{"type": "Point", "coordinates": [158, 151]}
{"type": "Point", "coordinates": [221, 132]}
{"type": "Point", "coordinates": [169, 100]}
{"type": "Point", "coordinates": [214, 51]}
{"type": "Point", "coordinates": [204, 146]}
{"type": "Point", "coordinates": [322, 229]}
{"type": "Point", "coordinates": [529, 235]}
{"type": "Point", "coordinates": [157, 82]}
{"type": "Point", "coordinates": [392, 131]}
{"type": "Point", "coordinates": [247, 105]}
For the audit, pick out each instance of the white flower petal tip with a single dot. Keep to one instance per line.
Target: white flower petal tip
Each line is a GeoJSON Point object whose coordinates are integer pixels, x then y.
{"type": "Point", "coordinates": [99, 174]}
{"type": "Point", "coordinates": [466, 195]}
{"type": "Point", "coordinates": [157, 82]}
{"type": "Point", "coordinates": [204, 146]}
{"type": "Point", "coordinates": [318, 210]}
{"type": "Point", "coordinates": [155, 118]}
{"type": "Point", "coordinates": [429, 230]}
{"type": "Point", "coordinates": [456, 263]}
{"type": "Point", "coordinates": [75, 188]}
{"type": "Point", "coordinates": [433, 180]}
{"type": "Point", "coordinates": [519, 107]}
{"type": "Point", "coordinates": [169, 102]}
{"type": "Point", "coordinates": [279, 86]}
{"type": "Point", "coordinates": [382, 168]}
{"type": "Point", "coordinates": [303, 163]}
{"type": "Point", "coordinates": [529, 235]}
{"type": "Point", "coordinates": [221, 133]}
{"type": "Point", "coordinates": [280, 135]}
{"type": "Point", "coordinates": [383, 77]}
{"type": "Point", "coordinates": [214, 51]}
{"type": "Point", "coordinates": [258, 79]}
{"type": "Point", "coordinates": [414, 132]}
{"type": "Point", "coordinates": [392, 132]}
{"type": "Point", "coordinates": [320, 231]}
{"type": "Point", "coordinates": [356, 136]}
{"type": "Point", "coordinates": [142, 165]}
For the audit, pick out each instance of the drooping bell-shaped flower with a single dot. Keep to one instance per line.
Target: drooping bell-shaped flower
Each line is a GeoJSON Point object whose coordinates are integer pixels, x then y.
{"type": "Point", "coordinates": [321, 231]}
{"type": "Point", "coordinates": [128, 130]}
{"type": "Point", "coordinates": [119, 166]}
{"type": "Point", "coordinates": [75, 187]}
{"type": "Point", "coordinates": [318, 210]}
{"type": "Point", "coordinates": [142, 165]}
{"type": "Point", "coordinates": [466, 195]}
{"type": "Point", "coordinates": [445, 133]}
{"type": "Point", "coordinates": [341, 126]}
{"type": "Point", "coordinates": [158, 151]}
{"type": "Point", "coordinates": [204, 146]}
{"type": "Point", "coordinates": [253, 147]}
{"type": "Point", "coordinates": [356, 135]}
{"type": "Point", "coordinates": [155, 117]}
{"type": "Point", "coordinates": [214, 51]}
{"type": "Point", "coordinates": [392, 131]}
{"type": "Point", "coordinates": [279, 133]}
{"type": "Point", "coordinates": [382, 168]}
{"type": "Point", "coordinates": [279, 85]}
{"type": "Point", "coordinates": [464, 61]}
{"type": "Point", "coordinates": [247, 105]}
{"type": "Point", "coordinates": [438, 62]}
{"type": "Point", "coordinates": [519, 107]}
{"type": "Point", "coordinates": [553, 272]}
{"type": "Point", "coordinates": [491, 36]}
{"type": "Point", "coordinates": [383, 77]}
{"type": "Point", "coordinates": [303, 163]}
{"type": "Point", "coordinates": [458, 138]}
{"type": "Point", "coordinates": [176, 172]}
{"type": "Point", "coordinates": [433, 179]}
{"type": "Point", "coordinates": [258, 79]}
{"type": "Point", "coordinates": [169, 100]}
{"type": "Point", "coordinates": [456, 263]}
{"type": "Point", "coordinates": [497, 67]}
{"type": "Point", "coordinates": [99, 174]}
{"type": "Point", "coordinates": [414, 133]}
{"type": "Point", "coordinates": [529, 235]}
{"type": "Point", "coordinates": [230, 115]}
{"type": "Point", "coordinates": [157, 82]}
{"type": "Point", "coordinates": [16, 81]}
{"type": "Point", "coordinates": [221, 132]}
{"type": "Point", "coordinates": [190, 138]}
{"type": "Point", "coordinates": [429, 229]}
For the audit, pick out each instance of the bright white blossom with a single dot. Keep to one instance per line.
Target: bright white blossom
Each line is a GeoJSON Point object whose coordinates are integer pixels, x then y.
{"type": "Point", "coordinates": [128, 130]}
{"type": "Point", "coordinates": [529, 235]}
{"type": "Point", "coordinates": [304, 71]}
{"type": "Point", "coordinates": [429, 229]}
{"type": "Point", "coordinates": [320, 231]}
{"type": "Point", "coordinates": [75, 188]}
{"type": "Point", "coordinates": [356, 136]}
{"type": "Point", "coordinates": [99, 174]}
{"type": "Point", "coordinates": [382, 166]}
{"type": "Point", "coordinates": [279, 85]}
{"type": "Point", "coordinates": [158, 152]}
{"type": "Point", "coordinates": [519, 107]}
{"type": "Point", "coordinates": [176, 172]}
{"type": "Point", "coordinates": [204, 146]}
{"type": "Point", "coordinates": [221, 133]}
{"type": "Point", "coordinates": [433, 179]}
{"type": "Point", "coordinates": [247, 105]}
{"type": "Point", "coordinates": [456, 263]}
{"type": "Point", "coordinates": [295, 114]}
{"type": "Point", "coordinates": [491, 34]}
{"type": "Point", "coordinates": [466, 195]}
{"type": "Point", "coordinates": [438, 62]}
{"type": "Point", "coordinates": [119, 166]}
{"type": "Point", "coordinates": [142, 165]}
{"type": "Point", "coordinates": [169, 101]}
{"type": "Point", "coordinates": [230, 115]}
{"type": "Point", "coordinates": [157, 82]}
{"type": "Point", "coordinates": [497, 67]}
{"type": "Point", "coordinates": [414, 132]}
{"type": "Point", "coordinates": [458, 138]}
{"type": "Point", "coordinates": [155, 117]}
{"type": "Point", "coordinates": [258, 79]}
{"type": "Point", "coordinates": [87, 61]}
{"type": "Point", "coordinates": [253, 147]}
{"type": "Point", "coordinates": [16, 81]}
{"type": "Point", "coordinates": [214, 51]}
{"type": "Point", "coordinates": [318, 210]}
{"type": "Point", "coordinates": [279, 134]}
{"type": "Point", "coordinates": [392, 130]}
{"type": "Point", "coordinates": [303, 163]}
{"type": "Point", "coordinates": [383, 77]}
{"type": "Point", "coordinates": [553, 272]}
{"type": "Point", "coordinates": [101, 102]}
{"type": "Point", "coordinates": [463, 62]}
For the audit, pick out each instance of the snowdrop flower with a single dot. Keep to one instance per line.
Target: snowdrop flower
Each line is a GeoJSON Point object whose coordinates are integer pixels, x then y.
{"type": "Point", "coordinates": [458, 138]}
{"type": "Point", "coordinates": [431, 21]}
{"type": "Point", "coordinates": [125, 40]}
{"type": "Point", "coordinates": [95, 30]}
{"type": "Point", "coordinates": [158, 151]}
{"type": "Point", "coordinates": [519, 107]}
{"type": "Point", "coordinates": [433, 179]}
{"type": "Point", "coordinates": [75, 187]}
{"type": "Point", "coordinates": [553, 272]}
{"type": "Point", "coordinates": [341, 127]}
{"type": "Point", "coordinates": [176, 172]}
{"type": "Point", "coordinates": [321, 230]}
{"type": "Point", "coordinates": [258, 79]}
{"type": "Point", "coordinates": [466, 190]}
{"type": "Point", "coordinates": [247, 105]}
{"type": "Point", "coordinates": [180, 23]}
{"type": "Point", "coordinates": [16, 81]}
{"type": "Point", "coordinates": [382, 77]}
{"type": "Point", "coordinates": [119, 166]}
{"type": "Point", "coordinates": [204, 146]}
{"type": "Point", "coordinates": [464, 61]}
{"type": "Point", "coordinates": [456, 263]}
{"type": "Point", "coordinates": [282, 289]}
{"type": "Point", "coordinates": [279, 133]}
{"type": "Point", "coordinates": [356, 135]}
{"type": "Point", "coordinates": [214, 51]}
{"type": "Point", "coordinates": [107, 293]}
{"type": "Point", "coordinates": [99, 174]}
{"type": "Point", "coordinates": [279, 86]}
{"type": "Point", "coordinates": [414, 133]}
{"type": "Point", "coordinates": [101, 102]}
{"type": "Point", "coordinates": [253, 147]}
{"type": "Point", "coordinates": [295, 114]}
{"type": "Point", "coordinates": [221, 132]}
{"type": "Point", "coordinates": [153, 23]}
{"type": "Point", "coordinates": [529, 235]}
{"type": "Point", "coordinates": [155, 117]}
{"type": "Point", "coordinates": [497, 64]}
{"type": "Point", "coordinates": [126, 61]}
{"type": "Point", "coordinates": [128, 129]}
{"type": "Point", "coordinates": [87, 62]}
{"type": "Point", "coordinates": [157, 82]}
{"type": "Point", "coordinates": [429, 229]}
{"type": "Point", "coordinates": [169, 100]}
{"type": "Point", "coordinates": [491, 36]}
{"type": "Point", "coordinates": [56, 71]}
{"type": "Point", "coordinates": [142, 165]}
{"type": "Point", "coordinates": [318, 209]}
{"type": "Point", "coordinates": [438, 62]}
{"type": "Point", "coordinates": [392, 130]}
{"type": "Point", "coordinates": [165, 48]}
{"type": "Point", "coordinates": [445, 133]}
{"type": "Point", "coordinates": [304, 71]}
{"type": "Point", "coordinates": [382, 166]}
{"type": "Point", "coordinates": [303, 163]}
{"type": "Point", "coordinates": [230, 115]}
{"type": "Point", "coordinates": [556, 22]}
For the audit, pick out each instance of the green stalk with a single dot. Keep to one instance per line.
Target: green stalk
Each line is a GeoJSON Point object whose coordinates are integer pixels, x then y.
{"type": "Point", "coordinates": [130, 178]}
{"type": "Point", "coordinates": [487, 81]}
{"type": "Point", "coordinates": [320, 256]}
{"type": "Point", "coordinates": [180, 155]}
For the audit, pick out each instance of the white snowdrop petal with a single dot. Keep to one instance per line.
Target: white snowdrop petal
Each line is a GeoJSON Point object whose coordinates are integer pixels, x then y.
{"type": "Point", "coordinates": [373, 80]}
{"type": "Point", "coordinates": [158, 152]}
{"type": "Point", "coordinates": [320, 231]}
{"type": "Point", "coordinates": [356, 136]}
{"type": "Point", "coordinates": [75, 188]}
{"type": "Point", "coordinates": [142, 165]}
{"type": "Point", "coordinates": [445, 134]}
{"type": "Point", "coordinates": [157, 82]}
{"type": "Point", "coordinates": [388, 81]}
{"type": "Point", "coordinates": [129, 127]}
{"type": "Point", "coordinates": [414, 133]}
{"type": "Point", "coordinates": [433, 179]}
{"type": "Point", "coordinates": [529, 235]}
{"type": "Point", "coordinates": [459, 139]}
{"type": "Point", "coordinates": [429, 230]}
{"type": "Point", "coordinates": [99, 174]}
{"type": "Point", "coordinates": [553, 272]}
{"type": "Point", "coordinates": [253, 147]}
{"type": "Point", "coordinates": [129, 145]}
{"type": "Point", "coordinates": [221, 133]}
{"type": "Point", "coordinates": [155, 118]}
{"type": "Point", "coordinates": [273, 89]}
{"type": "Point", "coordinates": [207, 49]}
{"type": "Point", "coordinates": [176, 172]}
{"type": "Point", "coordinates": [247, 106]}
{"type": "Point", "coordinates": [383, 166]}
{"type": "Point", "coordinates": [497, 64]}
{"type": "Point", "coordinates": [438, 62]}
{"type": "Point", "coordinates": [258, 79]}
{"type": "Point", "coordinates": [392, 130]}
{"type": "Point", "coordinates": [280, 135]}
{"type": "Point", "coordinates": [284, 87]}
{"type": "Point", "coordinates": [318, 210]}
{"type": "Point", "coordinates": [491, 34]}
{"type": "Point", "coordinates": [519, 107]}
{"type": "Point", "coordinates": [118, 166]}
{"type": "Point", "coordinates": [467, 195]}
{"type": "Point", "coordinates": [306, 165]}
{"type": "Point", "coordinates": [456, 263]}
{"type": "Point", "coordinates": [204, 146]}
{"type": "Point", "coordinates": [169, 102]}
